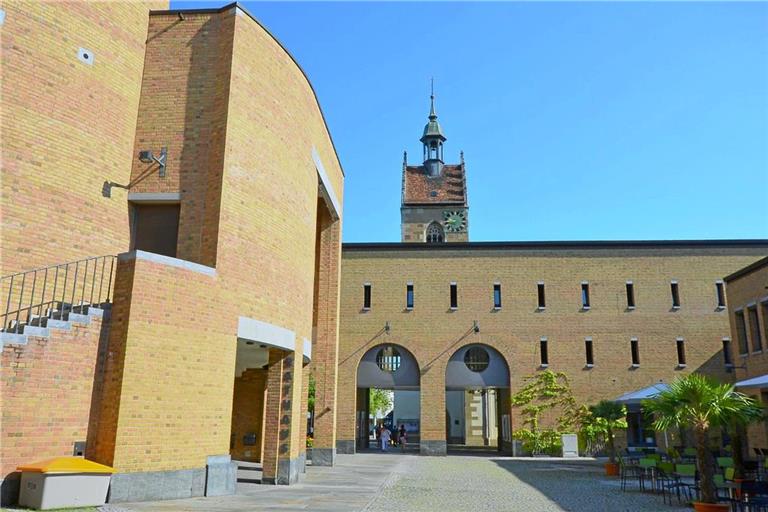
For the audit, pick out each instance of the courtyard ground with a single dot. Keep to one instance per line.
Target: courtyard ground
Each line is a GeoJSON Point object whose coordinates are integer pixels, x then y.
{"type": "Point", "coordinates": [374, 482]}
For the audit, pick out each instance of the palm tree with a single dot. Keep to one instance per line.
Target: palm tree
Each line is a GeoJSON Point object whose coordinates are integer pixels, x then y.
{"type": "Point", "coordinates": [700, 403]}
{"type": "Point", "coordinates": [613, 416]}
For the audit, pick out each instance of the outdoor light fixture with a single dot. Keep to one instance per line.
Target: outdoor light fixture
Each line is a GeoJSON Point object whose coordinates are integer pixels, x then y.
{"type": "Point", "coordinates": [476, 326]}
{"type": "Point", "coordinates": [147, 157]}
{"type": "Point", "coordinates": [386, 327]}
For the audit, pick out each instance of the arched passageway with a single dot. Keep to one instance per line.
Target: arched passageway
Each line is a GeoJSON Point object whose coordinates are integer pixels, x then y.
{"type": "Point", "coordinates": [477, 399]}
{"type": "Point", "coordinates": [392, 368]}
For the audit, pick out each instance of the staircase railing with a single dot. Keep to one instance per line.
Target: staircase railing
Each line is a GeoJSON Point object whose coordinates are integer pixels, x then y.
{"type": "Point", "coordinates": [53, 292]}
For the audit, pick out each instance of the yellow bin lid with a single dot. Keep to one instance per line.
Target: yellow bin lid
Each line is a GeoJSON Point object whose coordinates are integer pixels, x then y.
{"type": "Point", "coordinates": [66, 465]}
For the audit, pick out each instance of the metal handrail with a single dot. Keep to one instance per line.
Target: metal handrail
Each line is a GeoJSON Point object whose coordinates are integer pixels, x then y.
{"type": "Point", "coordinates": [22, 288]}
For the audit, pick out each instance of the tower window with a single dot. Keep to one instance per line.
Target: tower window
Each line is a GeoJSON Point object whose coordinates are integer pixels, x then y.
{"type": "Point", "coordinates": [454, 296]}
{"type": "Point", "coordinates": [754, 329]}
{"type": "Point", "coordinates": [727, 352]}
{"type": "Point", "coordinates": [585, 295]}
{"type": "Point", "coordinates": [544, 352]}
{"type": "Point", "coordinates": [542, 298]}
{"type": "Point", "coordinates": [497, 296]}
{"type": "Point", "coordinates": [367, 296]}
{"type": "Point", "coordinates": [409, 296]}
{"type": "Point", "coordinates": [589, 353]}
{"type": "Point", "coordinates": [630, 295]}
{"type": "Point", "coordinates": [435, 233]}
{"type": "Point", "coordinates": [635, 349]}
{"type": "Point", "coordinates": [741, 333]}
{"type": "Point", "coordinates": [675, 294]}
{"type": "Point", "coordinates": [720, 292]}
{"type": "Point", "coordinates": [680, 352]}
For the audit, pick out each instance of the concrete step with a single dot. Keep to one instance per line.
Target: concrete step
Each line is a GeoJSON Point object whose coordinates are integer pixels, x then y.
{"type": "Point", "coordinates": [40, 326]}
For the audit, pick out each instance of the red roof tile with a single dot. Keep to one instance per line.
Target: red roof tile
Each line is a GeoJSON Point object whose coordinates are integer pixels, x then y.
{"type": "Point", "coordinates": [420, 188]}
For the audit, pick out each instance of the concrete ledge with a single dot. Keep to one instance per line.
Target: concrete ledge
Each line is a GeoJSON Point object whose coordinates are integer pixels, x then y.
{"type": "Point", "coordinates": [157, 485]}
{"type": "Point", "coordinates": [96, 312]}
{"type": "Point", "coordinates": [433, 448]}
{"type": "Point", "coordinates": [345, 446]}
{"type": "Point", "coordinates": [221, 476]}
{"type": "Point", "coordinates": [251, 329]}
{"type": "Point", "coordinates": [9, 338]}
{"type": "Point", "coordinates": [326, 184]}
{"type": "Point", "coordinates": [59, 324]}
{"type": "Point", "coordinates": [33, 330]}
{"type": "Point", "coordinates": [323, 456]}
{"type": "Point", "coordinates": [167, 260]}
{"type": "Point", "coordinates": [79, 319]}
{"type": "Point", "coordinates": [154, 197]}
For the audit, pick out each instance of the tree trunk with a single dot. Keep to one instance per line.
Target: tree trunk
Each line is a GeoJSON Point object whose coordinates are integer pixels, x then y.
{"type": "Point", "coordinates": [738, 452]}
{"type": "Point", "coordinates": [705, 466]}
{"type": "Point", "coordinates": [611, 447]}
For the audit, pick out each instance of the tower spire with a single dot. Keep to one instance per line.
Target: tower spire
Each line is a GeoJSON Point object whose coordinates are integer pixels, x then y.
{"type": "Point", "coordinates": [432, 114]}
{"type": "Point", "coordinates": [433, 138]}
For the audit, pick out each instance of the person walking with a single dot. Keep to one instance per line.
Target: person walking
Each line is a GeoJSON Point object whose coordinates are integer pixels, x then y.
{"type": "Point", "coordinates": [385, 435]}
{"type": "Point", "coordinates": [402, 437]}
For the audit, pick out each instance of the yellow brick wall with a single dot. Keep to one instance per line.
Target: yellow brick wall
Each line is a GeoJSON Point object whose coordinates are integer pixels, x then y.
{"type": "Point", "coordinates": [433, 333]}
{"type": "Point", "coordinates": [751, 289]}
{"type": "Point", "coordinates": [67, 127]}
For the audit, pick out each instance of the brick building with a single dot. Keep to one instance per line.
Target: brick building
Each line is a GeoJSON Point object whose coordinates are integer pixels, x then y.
{"type": "Point", "coordinates": [748, 309]}
{"type": "Point", "coordinates": [171, 222]}
{"type": "Point", "coordinates": [457, 326]}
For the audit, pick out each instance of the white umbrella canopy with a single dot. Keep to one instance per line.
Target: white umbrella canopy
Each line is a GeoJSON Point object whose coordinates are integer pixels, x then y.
{"type": "Point", "coordinates": [754, 382]}
{"type": "Point", "coordinates": [637, 397]}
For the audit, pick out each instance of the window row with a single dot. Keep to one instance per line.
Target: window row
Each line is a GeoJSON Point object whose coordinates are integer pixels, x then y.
{"type": "Point", "coordinates": [542, 298]}
{"type": "Point", "coordinates": [748, 324]}
{"type": "Point", "coordinates": [634, 352]}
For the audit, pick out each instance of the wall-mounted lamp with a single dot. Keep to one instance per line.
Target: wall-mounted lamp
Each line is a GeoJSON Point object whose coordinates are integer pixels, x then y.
{"type": "Point", "coordinates": [147, 157]}
{"type": "Point", "coordinates": [386, 327]}
{"type": "Point", "coordinates": [476, 326]}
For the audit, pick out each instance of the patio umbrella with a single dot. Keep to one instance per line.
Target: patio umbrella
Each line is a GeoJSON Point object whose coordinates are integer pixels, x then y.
{"type": "Point", "coordinates": [649, 393]}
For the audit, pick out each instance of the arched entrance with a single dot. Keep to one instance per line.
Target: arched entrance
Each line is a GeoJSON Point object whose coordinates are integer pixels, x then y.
{"type": "Point", "coordinates": [477, 400]}
{"type": "Point", "coordinates": [392, 368]}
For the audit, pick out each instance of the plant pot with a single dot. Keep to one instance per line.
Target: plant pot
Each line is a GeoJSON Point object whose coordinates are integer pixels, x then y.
{"type": "Point", "coordinates": [611, 469]}
{"type": "Point", "coordinates": [711, 507]}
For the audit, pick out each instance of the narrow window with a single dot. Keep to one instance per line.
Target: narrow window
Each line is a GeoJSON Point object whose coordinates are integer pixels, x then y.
{"type": "Point", "coordinates": [367, 296]}
{"type": "Point", "coordinates": [741, 333]}
{"type": "Point", "coordinates": [544, 352]}
{"type": "Point", "coordinates": [585, 295]}
{"type": "Point", "coordinates": [720, 291]}
{"type": "Point", "coordinates": [542, 299]}
{"type": "Point", "coordinates": [588, 350]}
{"type": "Point", "coordinates": [754, 330]}
{"type": "Point", "coordinates": [497, 296]}
{"type": "Point", "coordinates": [727, 352]}
{"type": "Point", "coordinates": [454, 296]}
{"type": "Point", "coordinates": [635, 352]}
{"type": "Point", "coordinates": [409, 296]}
{"type": "Point", "coordinates": [764, 308]}
{"type": "Point", "coordinates": [680, 352]}
{"type": "Point", "coordinates": [630, 295]}
{"type": "Point", "coordinates": [675, 294]}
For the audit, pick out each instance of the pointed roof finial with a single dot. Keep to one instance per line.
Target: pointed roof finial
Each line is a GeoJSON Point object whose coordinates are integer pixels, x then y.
{"type": "Point", "coordinates": [432, 114]}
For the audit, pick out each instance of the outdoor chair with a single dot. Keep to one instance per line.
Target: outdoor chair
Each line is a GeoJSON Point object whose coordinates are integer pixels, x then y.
{"type": "Point", "coordinates": [686, 481]}
{"type": "Point", "coordinates": [629, 472]}
{"type": "Point", "coordinates": [725, 462]}
{"type": "Point", "coordinates": [648, 472]}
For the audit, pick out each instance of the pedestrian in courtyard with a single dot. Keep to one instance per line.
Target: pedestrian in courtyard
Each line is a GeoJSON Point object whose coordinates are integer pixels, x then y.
{"type": "Point", "coordinates": [403, 438]}
{"type": "Point", "coordinates": [385, 436]}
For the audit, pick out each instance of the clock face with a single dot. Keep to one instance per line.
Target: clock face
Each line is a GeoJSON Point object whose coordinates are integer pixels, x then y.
{"type": "Point", "coordinates": [456, 221]}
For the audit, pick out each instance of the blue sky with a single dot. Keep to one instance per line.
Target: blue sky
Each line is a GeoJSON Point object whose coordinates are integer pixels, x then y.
{"type": "Point", "coordinates": [579, 121]}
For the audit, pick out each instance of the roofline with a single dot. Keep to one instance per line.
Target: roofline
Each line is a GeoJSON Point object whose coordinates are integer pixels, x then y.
{"type": "Point", "coordinates": [237, 5]}
{"type": "Point", "coordinates": [747, 270]}
{"type": "Point", "coordinates": [565, 244]}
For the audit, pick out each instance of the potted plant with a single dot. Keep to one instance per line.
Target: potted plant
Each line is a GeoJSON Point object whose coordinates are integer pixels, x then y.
{"type": "Point", "coordinates": [701, 404]}
{"type": "Point", "coordinates": [609, 416]}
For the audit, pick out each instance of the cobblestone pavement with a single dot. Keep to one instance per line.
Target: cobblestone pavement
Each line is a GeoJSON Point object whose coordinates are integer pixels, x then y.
{"type": "Point", "coordinates": [373, 482]}
{"type": "Point", "coordinates": [486, 484]}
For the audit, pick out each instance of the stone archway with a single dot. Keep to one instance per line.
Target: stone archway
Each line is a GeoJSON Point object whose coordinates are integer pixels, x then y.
{"type": "Point", "coordinates": [392, 367]}
{"type": "Point", "coordinates": [477, 381]}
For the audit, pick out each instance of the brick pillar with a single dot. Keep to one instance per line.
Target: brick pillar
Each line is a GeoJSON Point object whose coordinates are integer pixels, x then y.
{"type": "Point", "coordinates": [432, 404]}
{"type": "Point", "coordinates": [505, 418]}
{"type": "Point", "coordinates": [277, 465]}
{"type": "Point", "coordinates": [325, 348]}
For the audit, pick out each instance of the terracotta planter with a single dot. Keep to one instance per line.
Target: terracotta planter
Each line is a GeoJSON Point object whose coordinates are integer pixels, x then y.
{"type": "Point", "coordinates": [611, 469]}
{"type": "Point", "coordinates": [711, 507]}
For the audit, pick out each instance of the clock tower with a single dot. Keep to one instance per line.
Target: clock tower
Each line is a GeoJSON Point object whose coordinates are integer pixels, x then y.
{"type": "Point", "coordinates": [434, 205]}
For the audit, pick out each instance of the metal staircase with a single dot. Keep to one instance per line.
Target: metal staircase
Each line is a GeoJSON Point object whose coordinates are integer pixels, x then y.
{"type": "Point", "coordinates": [46, 297]}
